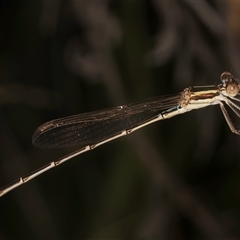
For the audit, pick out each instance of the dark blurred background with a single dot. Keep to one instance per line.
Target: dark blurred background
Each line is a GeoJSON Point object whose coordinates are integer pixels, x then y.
{"type": "Point", "coordinates": [175, 179]}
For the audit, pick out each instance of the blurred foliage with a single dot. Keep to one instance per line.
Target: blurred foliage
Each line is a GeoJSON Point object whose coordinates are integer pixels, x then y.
{"type": "Point", "coordinates": [175, 179]}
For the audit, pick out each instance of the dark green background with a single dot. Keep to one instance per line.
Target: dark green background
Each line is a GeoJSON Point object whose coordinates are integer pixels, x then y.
{"type": "Point", "coordinates": [175, 179]}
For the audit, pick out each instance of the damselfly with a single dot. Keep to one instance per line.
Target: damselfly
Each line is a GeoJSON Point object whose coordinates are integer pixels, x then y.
{"type": "Point", "coordinates": [89, 130]}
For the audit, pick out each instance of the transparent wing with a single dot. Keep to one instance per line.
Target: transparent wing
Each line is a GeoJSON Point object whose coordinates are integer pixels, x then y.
{"type": "Point", "coordinates": [93, 127]}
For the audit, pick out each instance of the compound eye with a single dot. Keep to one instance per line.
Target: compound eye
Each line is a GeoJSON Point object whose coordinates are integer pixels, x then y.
{"type": "Point", "coordinates": [225, 77]}
{"type": "Point", "coordinates": [232, 89]}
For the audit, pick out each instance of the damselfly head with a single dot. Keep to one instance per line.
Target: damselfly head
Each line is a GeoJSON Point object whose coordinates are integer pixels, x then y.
{"type": "Point", "coordinates": [230, 84]}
